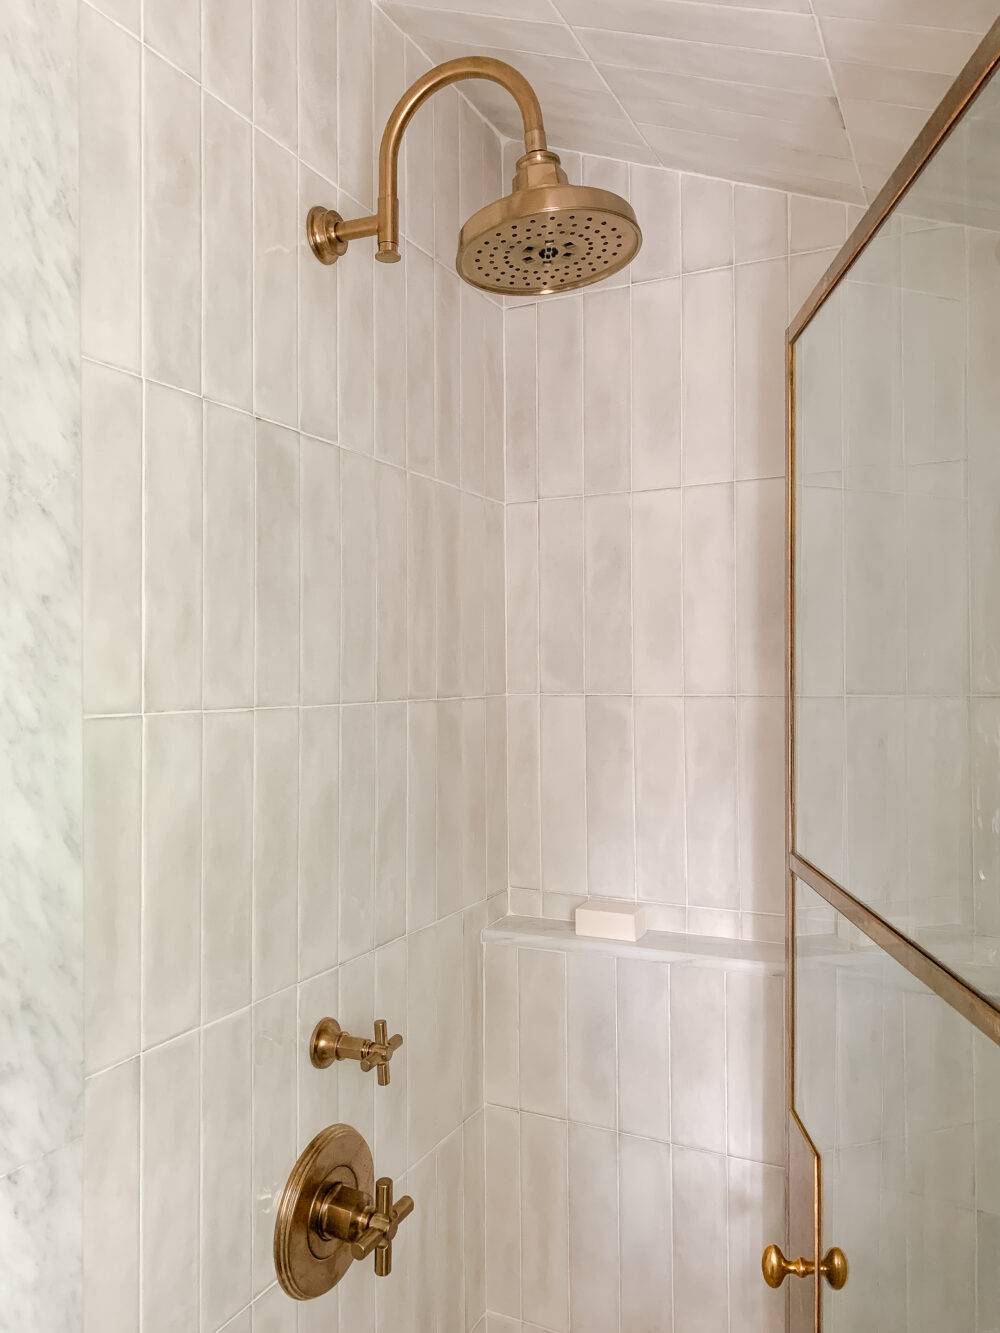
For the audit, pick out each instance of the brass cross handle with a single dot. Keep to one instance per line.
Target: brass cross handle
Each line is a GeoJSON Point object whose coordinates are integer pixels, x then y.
{"type": "Point", "coordinates": [329, 1042]}
{"type": "Point", "coordinates": [381, 1227]}
{"type": "Point", "coordinates": [776, 1267]}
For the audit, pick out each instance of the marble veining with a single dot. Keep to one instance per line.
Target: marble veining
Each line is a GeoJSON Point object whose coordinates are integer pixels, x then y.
{"type": "Point", "coordinates": [40, 743]}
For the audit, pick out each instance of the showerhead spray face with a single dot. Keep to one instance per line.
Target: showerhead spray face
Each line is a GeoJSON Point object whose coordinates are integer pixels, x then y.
{"type": "Point", "coordinates": [547, 236]}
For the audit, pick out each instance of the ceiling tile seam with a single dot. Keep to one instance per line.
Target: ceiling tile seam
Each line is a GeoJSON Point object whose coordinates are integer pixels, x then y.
{"type": "Point", "coordinates": [600, 74]}
{"type": "Point", "coordinates": [840, 104]}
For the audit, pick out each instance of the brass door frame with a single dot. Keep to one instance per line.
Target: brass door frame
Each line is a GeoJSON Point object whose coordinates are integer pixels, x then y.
{"type": "Point", "coordinates": [973, 1006]}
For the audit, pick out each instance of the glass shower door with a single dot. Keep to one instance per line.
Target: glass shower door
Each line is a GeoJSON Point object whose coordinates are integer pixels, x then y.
{"type": "Point", "coordinates": [894, 750]}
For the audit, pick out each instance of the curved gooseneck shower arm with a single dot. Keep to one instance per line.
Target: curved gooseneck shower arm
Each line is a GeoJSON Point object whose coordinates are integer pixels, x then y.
{"type": "Point", "coordinates": [329, 233]}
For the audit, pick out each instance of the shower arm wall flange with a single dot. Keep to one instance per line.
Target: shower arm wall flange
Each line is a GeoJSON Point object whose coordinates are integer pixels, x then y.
{"type": "Point", "coordinates": [329, 233]}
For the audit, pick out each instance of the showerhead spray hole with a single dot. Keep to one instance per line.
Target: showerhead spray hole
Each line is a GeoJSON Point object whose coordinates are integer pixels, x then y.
{"type": "Point", "coordinates": [548, 252]}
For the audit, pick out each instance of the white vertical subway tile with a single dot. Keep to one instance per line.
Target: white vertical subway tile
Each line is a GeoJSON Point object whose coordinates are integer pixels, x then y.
{"type": "Point", "coordinates": [521, 393]}
{"type": "Point", "coordinates": [450, 807]}
{"type": "Point", "coordinates": [610, 798]}
{"type": "Point", "coordinates": [112, 788]}
{"type": "Point", "coordinates": [710, 772]}
{"type": "Point", "coordinates": [277, 565]}
{"type": "Point", "coordinates": [356, 350]}
{"type": "Point", "coordinates": [761, 223]}
{"type": "Point", "coordinates": [447, 574]}
{"type": "Point", "coordinates": [497, 878]}
{"type": "Point", "coordinates": [472, 432]}
{"type": "Point", "coordinates": [319, 309]}
{"type": "Point", "coordinates": [447, 172]}
{"type": "Point", "coordinates": [474, 1210]}
{"type": "Point", "coordinates": [706, 223]}
{"type": "Point", "coordinates": [225, 1166]}
{"type": "Point", "coordinates": [608, 594]}
{"type": "Point", "coordinates": [421, 589]}
{"type": "Point", "coordinates": [473, 814]}
{"type": "Point", "coordinates": [708, 377]}
{"type": "Point", "coordinates": [523, 796]}
{"type": "Point", "coordinates": [318, 1089]}
{"type": "Point", "coordinates": [421, 820]}
{"type": "Point", "coordinates": [541, 980]}
{"type": "Point", "coordinates": [418, 165]}
{"type": "Point", "coordinates": [171, 221]}
{"type": "Point", "coordinates": [659, 800]}
{"type": "Point", "coordinates": [700, 1286]}
{"type": "Point", "coordinates": [472, 561]}
{"type": "Point", "coordinates": [228, 537]}
{"type": "Point", "coordinates": [276, 239]}
{"type": "Point", "coordinates": [357, 829]}
{"type": "Point", "coordinates": [390, 821]}
{"type": "Point", "coordinates": [874, 592]}
{"type": "Point", "coordinates": [591, 1028]}
{"type": "Point", "coordinates": [227, 272]}
{"type": "Point", "coordinates": [644, 1048]}
{"type": "Point", "coordinates": [646, 1215]}
{"type": "Point", "coordinates": [170, 1185]}
{"type": "Point", "coordinates": [319, 839]}
{"type": "Point", "coordinates": [503, 1211]}
{"type": "Point", "coordinates": [319, 519]}
{"type": "Point", "coordinates": [447, 375]}
{"type": "Point", "coordinates": [655, 194]}
{"type": "Point", "coordinates": [356, 1011]}
{"type": "Point", "coordinates": [275, 60]}
{"type": "Point", "coordinates": [111, 1199]}
{"type": "Point", "coordinates": [493, 401]}
{"type": "Point", "coordinates": [545, 1222]}
{"type": "Point", "coordinates": [494, 593]}
{"type": "Point", "coordinates": [474, 921]}
{"type": "Point", "coordinates": [317, 100]}
{"type": "Point", "coordinates": [560, 398]}
{"type": "Point", "coordinates": [389, 384]}
{"type": "Point", "coordinates": [173, 564]}
{"type": "Point", "coordinates": [709, 590]}
{"type": "Point", "coordinates": [500, 1025]}
{"type": "Point", "coordinates": [391, 576]}
{"type": "Point", "coordinates": [563, 794]}
{"type": "Point", "coordinates": [594, 1276]}
{"type": "Point", "coordinates": [420, 316]}
{"type": "Point", "coordinates": [273, 1137]}
{"type": "Point", "coordinates": [761, 316]}
{"type": "Point", "coordinates": [756, 1211]}
{"type": "Point", "coordinates": [522, 597]}
{"type": "Point", "coordinates": [450, 1248]}
{"type": "Point", "coordinates": [171, 872]}
{"type": "Point", "coordinates": [434, 1057]}
{"type": "Point", "coordinates": [354, 84]}
{"type": "Point", "coordinates": [561, 594]}
{"type": "Point", "coordinates": [275, 850]}
{"type": "Point", "coordinates": [761, 792]}
{"type": "Point", "coordinates": [358, 554]}
{"type": "Point", "coordinates": [227, 863]}
{"type": "Point", "coordinates": [698, 1057]}
{"type": "Point", "coordinates": [754, 1067]}
{"type": "Point", "coordinates": [937, 580]}
{"type": "Point", "coordinates": [110, 204]}
{"type": "Point", "coordinates": [657, 592]}
{"type": "Point", "coordinates": [607, 349]}
{"type": "Point", "coordinates": [112, 540]}
{"type": "Point", "coordinates": [656, 384]}
{"type": "Point", "coordinates": [760, 608]}
{"type": "Point", "coordinates": [227, 41]}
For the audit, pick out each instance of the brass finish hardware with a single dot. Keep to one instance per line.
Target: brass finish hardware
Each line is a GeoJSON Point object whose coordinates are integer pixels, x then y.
{"type": "Point", "coordinates": [329, 1042]}
{"type": "Point", "coordinates": [545, 236]}
{"type": "Point", "coordinates": [776, 1267]}
{"type": "Point", "coordinates": [332, 1212]}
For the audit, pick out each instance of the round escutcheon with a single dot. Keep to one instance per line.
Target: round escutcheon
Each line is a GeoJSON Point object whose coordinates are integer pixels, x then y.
{"type": "Point", "coordinates": [307, 1265]}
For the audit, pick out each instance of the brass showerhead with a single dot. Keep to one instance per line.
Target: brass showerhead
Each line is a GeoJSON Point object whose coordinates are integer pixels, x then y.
{"type": "Point", "coordinates": [545, 236]}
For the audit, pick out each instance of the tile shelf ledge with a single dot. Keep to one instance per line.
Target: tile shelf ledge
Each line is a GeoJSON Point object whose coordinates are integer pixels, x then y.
{"type": "Point", "coordinates": [529, 932]}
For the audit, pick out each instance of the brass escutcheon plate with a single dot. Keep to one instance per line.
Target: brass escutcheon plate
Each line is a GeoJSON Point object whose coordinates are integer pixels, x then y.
{"type": "Point", "coordinates": [308, 1266]}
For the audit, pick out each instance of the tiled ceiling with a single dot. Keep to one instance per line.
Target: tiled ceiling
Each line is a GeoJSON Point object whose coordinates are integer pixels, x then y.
{"type": "Point", "coordinates": [814, 96]}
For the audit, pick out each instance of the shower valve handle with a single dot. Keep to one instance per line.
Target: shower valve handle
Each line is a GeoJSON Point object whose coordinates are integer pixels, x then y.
{"type": "Point", "coordinates": [381, 1227]}
{"type": "Point", "coordinates": [329, 1042]}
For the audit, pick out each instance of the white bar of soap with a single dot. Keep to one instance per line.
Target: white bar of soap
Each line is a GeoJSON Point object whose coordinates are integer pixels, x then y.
{"type": "Point", "coordinates": [611, 920]}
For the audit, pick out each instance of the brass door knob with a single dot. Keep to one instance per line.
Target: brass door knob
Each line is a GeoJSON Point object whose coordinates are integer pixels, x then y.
{"type": "Point", "coordinates": [329, 1042]}
{"type": "Point", "coordinates": [776, 1267]}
